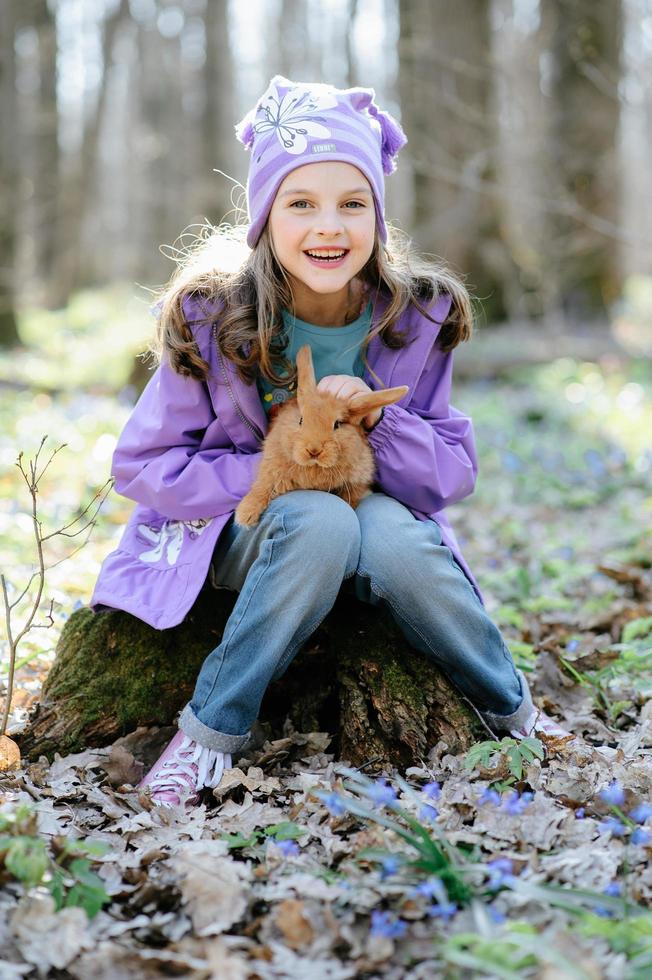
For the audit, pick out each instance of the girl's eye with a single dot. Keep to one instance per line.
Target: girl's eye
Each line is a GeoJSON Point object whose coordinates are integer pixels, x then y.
{"type": "Point", "coordinates": [301, 420]}
{"type": "Point", "coordinates": [336, 424]}
{"type": "Point", "coordinates": [299, 205]}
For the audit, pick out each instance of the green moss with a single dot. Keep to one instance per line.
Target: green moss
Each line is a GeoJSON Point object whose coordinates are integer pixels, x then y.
{"type": "Point", "coordinates": [112, 664]}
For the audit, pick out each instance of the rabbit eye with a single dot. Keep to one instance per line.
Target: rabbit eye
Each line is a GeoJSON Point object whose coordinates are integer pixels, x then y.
{"type": "Point", "coordinates": [337, 423]}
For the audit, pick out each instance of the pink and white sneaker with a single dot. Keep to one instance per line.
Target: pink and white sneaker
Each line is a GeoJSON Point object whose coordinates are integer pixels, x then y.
{"type": "Point", "coordinates": [539, 723]}
{"type": "Point", "coordinates": [182, 770]}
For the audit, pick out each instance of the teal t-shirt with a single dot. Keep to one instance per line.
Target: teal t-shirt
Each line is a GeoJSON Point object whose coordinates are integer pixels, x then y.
{"type": "Point", "coordinates": [335, 350]}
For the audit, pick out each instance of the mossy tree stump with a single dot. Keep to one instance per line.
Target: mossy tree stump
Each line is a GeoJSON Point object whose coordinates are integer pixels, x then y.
{"type": "Point", "coordinates": [356, 678]}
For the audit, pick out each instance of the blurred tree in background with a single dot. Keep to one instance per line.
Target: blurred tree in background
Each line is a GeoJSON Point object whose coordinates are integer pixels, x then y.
{"type": "Point", "coordinates": [529, 126]}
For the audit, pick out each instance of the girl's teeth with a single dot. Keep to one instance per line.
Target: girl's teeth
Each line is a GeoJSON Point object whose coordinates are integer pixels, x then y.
{"type": "Point", "coordinates": [326, 258]}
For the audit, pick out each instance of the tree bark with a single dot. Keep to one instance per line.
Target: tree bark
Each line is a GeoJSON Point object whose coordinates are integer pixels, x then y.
{"type": "Point", "coordinates": [445, 84]}
{"type": "Point", "coordinates": [45, 147]}
{"type": "Point", "coordinates": [9, 169]}
{"type": "Point", "coordinates": [77, 176]}
{"type": "Point", "coordinates": [585, 48]}
{"type": "Point", "coordinates": [356, 678]}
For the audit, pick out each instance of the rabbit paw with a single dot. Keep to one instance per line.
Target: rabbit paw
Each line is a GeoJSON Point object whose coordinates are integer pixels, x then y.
{"type": "Point", "coordinates": [248, 512]}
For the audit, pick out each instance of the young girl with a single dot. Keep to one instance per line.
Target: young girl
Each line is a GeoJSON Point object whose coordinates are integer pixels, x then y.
{"type": "Point", "coordinates": [322, 269]}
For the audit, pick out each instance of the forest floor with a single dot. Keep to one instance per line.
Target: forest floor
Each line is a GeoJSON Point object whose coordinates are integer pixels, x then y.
{"type": "Point", "coordinates": [498, 863]}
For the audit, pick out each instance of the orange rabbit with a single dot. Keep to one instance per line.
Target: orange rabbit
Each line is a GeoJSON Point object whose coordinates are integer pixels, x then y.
{"type": "Point", "coordinates": [315, 443]}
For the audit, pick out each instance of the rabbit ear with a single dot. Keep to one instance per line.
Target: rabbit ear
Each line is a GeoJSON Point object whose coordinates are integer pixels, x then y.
{"type": "Point", "coordinates": [366, 404]}
{"type": "Point", "coordinates": [305, 371]}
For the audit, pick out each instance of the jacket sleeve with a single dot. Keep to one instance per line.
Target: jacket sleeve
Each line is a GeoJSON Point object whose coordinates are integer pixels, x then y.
{"type": "Point", "coordinates": [425, 453]}
{"type": "Point", "coordinates": [162, 459]}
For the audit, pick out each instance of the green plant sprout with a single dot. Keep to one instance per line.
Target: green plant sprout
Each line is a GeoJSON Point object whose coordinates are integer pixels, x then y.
{"type": "Point", "coordinates": [516, 753]}
{"type": "Point", "coordinates": [62, 865]}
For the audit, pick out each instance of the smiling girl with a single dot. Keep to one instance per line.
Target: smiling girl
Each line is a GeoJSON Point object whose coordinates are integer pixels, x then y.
{"type": "Point", "coordinates": [323, 269]}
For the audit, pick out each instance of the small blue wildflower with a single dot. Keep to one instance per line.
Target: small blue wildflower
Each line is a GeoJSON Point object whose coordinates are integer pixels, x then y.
{"type": "Point", "coordinates": [489, 796]}
{"type": "Point", "coordinates": [432, 791]}
{"type": "Point", "coordinates": [572, 645]}
{"type": "Point", "coordinates": [431, 888]}
{"type": "Point", "coordinates": [429, 813]}
{"type": "Point", "coordinates": [611, 825]}
{"type": "Point", "coordinates": [515, 804]}
{"type": "Point", "coordinates": [384, 924]}
{"type": "Point", "coordinates": [442, 910]}
{"type": "Point", "coordinates": [390, 865]}
{"type": "Point", "coordinates": [511, 462]}
{"type": "Point", "coordinates": [641, 812]}
{"type": "Point", "coordinates": [580, 813]}
{"type": "Point", "coordinates": [335, 804]}
{"type": "Point", "coordinates": [614, 888]}
{"type": "Point", "coordinates": [640, 837]}
{"type": "Point", "coordinates": [288, 848]}
{"type": "Point", "coordinates": [495, 915]}
{"type": "Point", "coordinates": [603, 912]}
{"type": "Point", "coordinates": [614, 794]}
{"type": "Point", "coordinates": [500, 871]}
{"type": "Point", "coordinates": [594, 462]}
{"type": "Point", "coordinates": [381, 793]}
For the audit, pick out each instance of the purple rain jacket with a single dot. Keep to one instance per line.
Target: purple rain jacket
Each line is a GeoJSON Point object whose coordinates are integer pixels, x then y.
{"type": "Point", "coordinates": [191, 449]}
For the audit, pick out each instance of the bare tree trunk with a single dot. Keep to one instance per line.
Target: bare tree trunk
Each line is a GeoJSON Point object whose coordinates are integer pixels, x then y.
{"type": "Point", "coordinates": [45, 146]}
{"type": "Point", "coordinates": [445, 87]}
{"type": "Point", "coordinates": [216, 139]}
{"type": "Point", "coordinates": [636, 145]}
{"type": "Point", "coordinates": [585, 46]}
{"type": "Point", "coordinates": [294, 53]}
{"type": "Point", "coordinates": [77, 181]}
{"type": "Point", "coordinates": [9, 169]}
{"type": "Point", "coordinates": [518, 46]}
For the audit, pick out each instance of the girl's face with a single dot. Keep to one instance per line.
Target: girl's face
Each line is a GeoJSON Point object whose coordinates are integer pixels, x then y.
{"type": "Point", "coordinates": [323, 209]}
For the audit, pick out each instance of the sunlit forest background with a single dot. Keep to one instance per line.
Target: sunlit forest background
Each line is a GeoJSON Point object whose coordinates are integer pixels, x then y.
{"type": "Point", "coordinates": [529, 125]}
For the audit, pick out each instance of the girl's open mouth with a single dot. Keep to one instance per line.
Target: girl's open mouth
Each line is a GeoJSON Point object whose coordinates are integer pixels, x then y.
{"type": "Point", "coordinates": [331, 257]}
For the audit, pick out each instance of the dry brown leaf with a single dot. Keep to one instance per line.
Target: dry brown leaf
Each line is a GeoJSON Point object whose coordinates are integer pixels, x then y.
{"type": "Point", "coordinates": [9, 754]}
{"type": "Point", "coordinates": [254, 780]}
{"type": "Point", "coordinates": [214, 887]}
{"type": "Point", "coordinates": [294, 925]}
{"type": "Point", "coordinates": [225, 963]}
{"type": "Point", "coordinates": [121, 767]}
{"type": "Point", "coordinates": [45, 937]}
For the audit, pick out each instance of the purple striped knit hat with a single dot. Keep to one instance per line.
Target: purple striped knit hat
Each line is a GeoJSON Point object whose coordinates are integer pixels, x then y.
{"type": "Point", "coordinates": [295, 123]}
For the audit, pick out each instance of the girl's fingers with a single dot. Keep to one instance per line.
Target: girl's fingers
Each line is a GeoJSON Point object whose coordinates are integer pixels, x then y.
{"type": "Point", "coordinates": [333, 383]}
{"type": "Point", "coordinates": [343, 386]}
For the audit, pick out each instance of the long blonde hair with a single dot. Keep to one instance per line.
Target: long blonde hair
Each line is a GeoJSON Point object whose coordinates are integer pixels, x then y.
{"type": "Point", "coordinates": [248, 289]}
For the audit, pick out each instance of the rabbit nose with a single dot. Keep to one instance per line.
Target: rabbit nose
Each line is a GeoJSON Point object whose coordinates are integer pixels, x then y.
{"type": "Point", "coordinates": [313, 450]}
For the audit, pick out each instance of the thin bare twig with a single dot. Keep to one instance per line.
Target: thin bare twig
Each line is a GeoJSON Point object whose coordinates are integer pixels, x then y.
{"type": "Point", "coordinates": [32, 477]}
{"type": "Point", "coordinates": [105, 489]}
{"type": "Point", "coordinates": [90, 524]}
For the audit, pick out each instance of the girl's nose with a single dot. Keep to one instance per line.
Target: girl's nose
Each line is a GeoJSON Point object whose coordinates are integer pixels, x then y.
{"type": "Point", "coordinates": [328, 223]}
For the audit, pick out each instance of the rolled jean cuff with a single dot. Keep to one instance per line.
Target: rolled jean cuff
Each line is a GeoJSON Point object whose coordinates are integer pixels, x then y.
{"type": "Point", "coordinates": [190, 725]}
{"type": "Point", "coordinates": [517, 718]}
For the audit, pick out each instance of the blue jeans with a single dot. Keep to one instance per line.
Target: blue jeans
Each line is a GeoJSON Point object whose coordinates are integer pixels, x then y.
{"type": "Point", "coordinates": [288, 571]}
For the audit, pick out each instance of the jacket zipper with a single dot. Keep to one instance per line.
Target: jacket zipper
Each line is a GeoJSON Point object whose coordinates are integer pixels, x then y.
{"type": "Point", "coordinates": [250, 425]}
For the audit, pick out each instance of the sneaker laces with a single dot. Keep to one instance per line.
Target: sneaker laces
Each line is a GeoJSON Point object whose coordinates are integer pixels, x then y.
{"type": "Point", "coordinates": [202, 767]}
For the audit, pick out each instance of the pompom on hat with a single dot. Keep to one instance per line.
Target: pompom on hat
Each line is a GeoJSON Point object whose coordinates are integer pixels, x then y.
{"type": "Point", "coordinates": [295, 123]}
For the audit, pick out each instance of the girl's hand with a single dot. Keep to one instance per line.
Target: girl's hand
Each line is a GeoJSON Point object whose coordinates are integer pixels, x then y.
{"type": "Point", "coordinates": [349, 388]}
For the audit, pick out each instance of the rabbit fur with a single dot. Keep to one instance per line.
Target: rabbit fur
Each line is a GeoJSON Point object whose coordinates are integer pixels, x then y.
{"type": "Point", "coordinates": [316, 442]}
